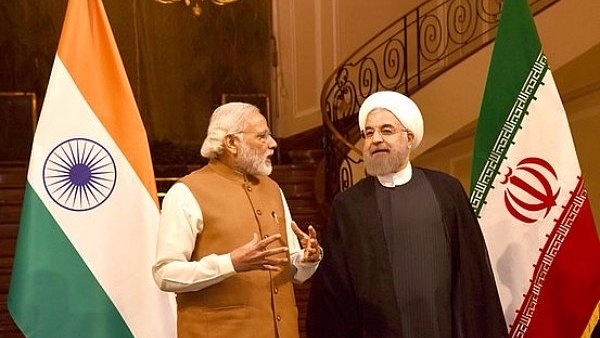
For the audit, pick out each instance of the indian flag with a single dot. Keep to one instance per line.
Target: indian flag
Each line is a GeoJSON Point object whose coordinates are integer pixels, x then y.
{"type": "Point", "coordinates": [528, 190]}
{"type": "Point", "coordinates": [89, 222]}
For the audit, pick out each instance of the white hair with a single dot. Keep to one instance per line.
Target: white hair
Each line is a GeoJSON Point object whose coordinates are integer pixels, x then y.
{"type": "Point", "coordinates": [225, 120]}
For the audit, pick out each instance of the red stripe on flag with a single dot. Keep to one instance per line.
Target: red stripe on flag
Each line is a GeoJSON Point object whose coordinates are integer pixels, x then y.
{"type": "Point", "coordinates": [565, 292]}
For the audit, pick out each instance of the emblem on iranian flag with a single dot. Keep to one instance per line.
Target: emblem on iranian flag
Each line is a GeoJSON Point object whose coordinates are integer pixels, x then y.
{"type": "Point", "coordinates": [530, 189]}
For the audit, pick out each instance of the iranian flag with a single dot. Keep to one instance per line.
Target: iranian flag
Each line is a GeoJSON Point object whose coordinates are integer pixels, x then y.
{"type": "Point", "coordinates": [89, 222]}
{"type": "Point", "coordinates": [529, 192]}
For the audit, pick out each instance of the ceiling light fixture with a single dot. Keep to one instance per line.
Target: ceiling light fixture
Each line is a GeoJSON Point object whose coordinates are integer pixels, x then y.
{"type": "Point", "coordinates": [196, 5]}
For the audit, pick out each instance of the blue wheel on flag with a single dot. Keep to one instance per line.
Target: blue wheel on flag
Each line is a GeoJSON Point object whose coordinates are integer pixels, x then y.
{"type": "Point", "coordinates": [79, 174]}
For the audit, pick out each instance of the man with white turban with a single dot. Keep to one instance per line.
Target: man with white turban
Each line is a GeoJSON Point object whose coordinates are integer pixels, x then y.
{"type": "Point", "coordinates": [405, 256]}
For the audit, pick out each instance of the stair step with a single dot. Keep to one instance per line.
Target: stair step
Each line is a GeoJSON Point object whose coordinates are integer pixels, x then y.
{"type": "Point", "coordinates": [10, 213]}
{"type": "Point", "coordinates": [12, 175]}
{"type": "Point", "coordinates": [11, 194]}
{"type": "Point", "coordinates": [306, 156]}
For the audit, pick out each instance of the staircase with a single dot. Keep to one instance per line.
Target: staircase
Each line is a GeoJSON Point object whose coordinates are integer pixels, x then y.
{"type": "Point", "coordinates": [297, 181]}
{"type": "Point", "coordinates": [12, 188]}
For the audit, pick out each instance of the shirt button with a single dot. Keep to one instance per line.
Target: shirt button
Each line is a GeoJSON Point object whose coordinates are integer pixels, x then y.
{"type": "Point", "coordinates": [276, 291]}
{"type": "Point", "coordinates": [258, 212]}
{"type": "Point", "coordinates": [266, 236]}
{"type": "Point", "coordinates": [278, 318]}
{"type": "Point", "coordinates": [249, 188]}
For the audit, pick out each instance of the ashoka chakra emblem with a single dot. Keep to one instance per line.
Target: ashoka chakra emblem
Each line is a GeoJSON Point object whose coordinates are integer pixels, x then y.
{"type": "Point", "coordinates": [79, 174]}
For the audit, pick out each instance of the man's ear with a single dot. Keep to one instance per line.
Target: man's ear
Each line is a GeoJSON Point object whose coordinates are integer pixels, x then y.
{"type": "Point", "coordinates": [231, 144]}
{"type": "Point", "coordinates": [411, 139]}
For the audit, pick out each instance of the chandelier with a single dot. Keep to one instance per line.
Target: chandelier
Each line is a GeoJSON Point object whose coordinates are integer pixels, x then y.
{"type": "Point", "coordinates": [196, 5]}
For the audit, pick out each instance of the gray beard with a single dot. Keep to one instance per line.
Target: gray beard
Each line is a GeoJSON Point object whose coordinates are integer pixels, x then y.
{"type": "Point", "coordinates": [378, 167]}
{"type": "Point", "coordinates": [250, 162]}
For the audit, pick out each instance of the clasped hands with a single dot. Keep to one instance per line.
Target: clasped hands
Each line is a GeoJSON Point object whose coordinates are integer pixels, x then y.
{"type": "Point", "coordinates": [254, 255]}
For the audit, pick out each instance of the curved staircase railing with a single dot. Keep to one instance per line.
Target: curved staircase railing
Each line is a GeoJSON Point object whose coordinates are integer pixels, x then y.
{"type": "Point", "coordinates": [404, 57]}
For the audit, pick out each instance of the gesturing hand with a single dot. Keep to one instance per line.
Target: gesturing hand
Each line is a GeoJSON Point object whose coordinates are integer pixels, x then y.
{"type": "Point", "coordinates": [310, 244]}
{"type": "Point", "coordinates": [254, 255]}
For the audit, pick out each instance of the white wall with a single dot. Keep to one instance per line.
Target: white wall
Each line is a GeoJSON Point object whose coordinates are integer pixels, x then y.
{"type": "Point", "coordinates": [313, 37]}
{"type": "Point", "coordinates": [567, 30]}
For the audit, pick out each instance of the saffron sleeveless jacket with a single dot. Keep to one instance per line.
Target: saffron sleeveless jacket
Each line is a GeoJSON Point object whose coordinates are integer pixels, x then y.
{"type": "Point", "coordinates": [247, 304]}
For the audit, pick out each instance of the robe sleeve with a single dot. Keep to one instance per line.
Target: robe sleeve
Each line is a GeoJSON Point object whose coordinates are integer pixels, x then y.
{"type": "Point", "coordinates": [477, 303]}
{"type": "Point", "coordinates": [332, 307]}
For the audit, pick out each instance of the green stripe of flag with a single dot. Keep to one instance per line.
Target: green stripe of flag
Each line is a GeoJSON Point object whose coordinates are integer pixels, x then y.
{"type": "Point", "coordinates": [510, 66]}
{"type": "Point", "coordinates": [52, 291]}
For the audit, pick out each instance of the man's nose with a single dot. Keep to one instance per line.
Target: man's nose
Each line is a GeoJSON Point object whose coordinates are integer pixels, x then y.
{"type": "Point", "coordinates": [377, 137]}
{"type": "Point", "coordinates": [272, 143]}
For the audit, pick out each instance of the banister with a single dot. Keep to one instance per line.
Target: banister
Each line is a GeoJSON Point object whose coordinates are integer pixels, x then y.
{"type": "Point", "coordinates": [406, 55]}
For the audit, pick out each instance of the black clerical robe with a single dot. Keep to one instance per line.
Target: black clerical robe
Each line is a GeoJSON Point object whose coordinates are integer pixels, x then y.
{"type": "Point", "coordinates": [352, 293]}
{"type": "Point", "coordinates": [419, 255]}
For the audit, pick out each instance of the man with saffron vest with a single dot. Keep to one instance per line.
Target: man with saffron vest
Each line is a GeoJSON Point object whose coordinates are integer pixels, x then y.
{"type": "Point", "coordinates": [227, 245]}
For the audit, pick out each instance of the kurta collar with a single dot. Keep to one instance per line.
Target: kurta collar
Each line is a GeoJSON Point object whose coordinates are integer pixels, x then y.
{"type": "Point", "coordinates": [398, 178]}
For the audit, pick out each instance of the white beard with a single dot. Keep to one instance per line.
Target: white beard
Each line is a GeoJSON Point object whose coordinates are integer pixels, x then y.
{"type": "Point", "coordinates": [251, 162]}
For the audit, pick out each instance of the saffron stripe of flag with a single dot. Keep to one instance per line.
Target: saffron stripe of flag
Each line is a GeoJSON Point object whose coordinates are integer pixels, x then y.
{"type": "Point", "coordinates": [89, 221]}
{"type": "Point", "coordinates": [528, 190]}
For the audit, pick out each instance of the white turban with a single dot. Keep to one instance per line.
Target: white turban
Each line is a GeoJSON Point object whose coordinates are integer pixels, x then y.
{"type": "Point", "coordinates": [405, 110]}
